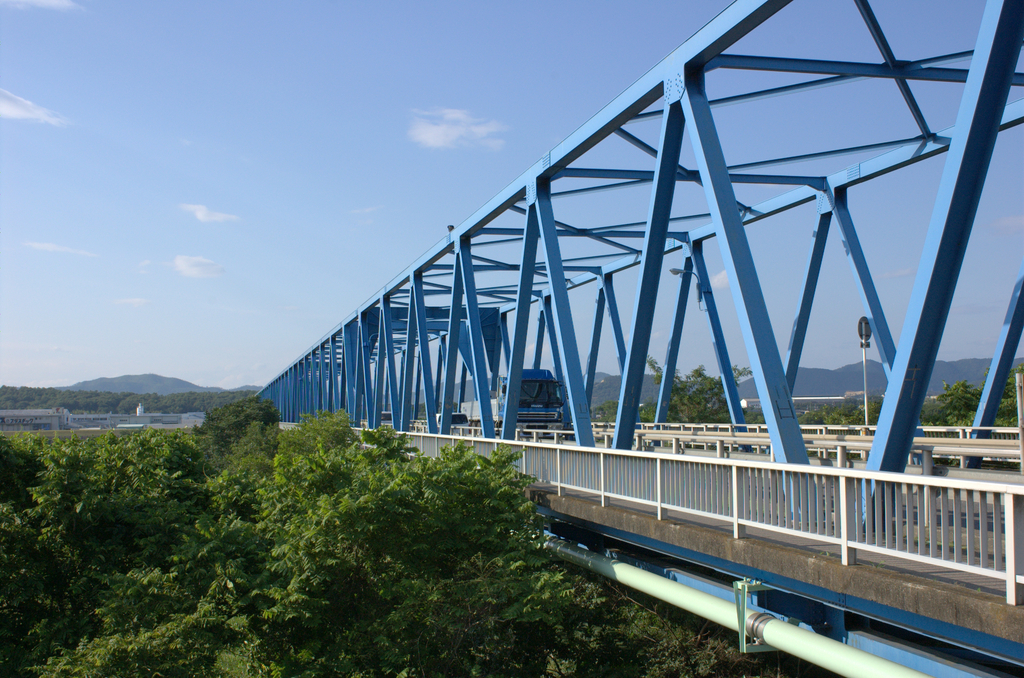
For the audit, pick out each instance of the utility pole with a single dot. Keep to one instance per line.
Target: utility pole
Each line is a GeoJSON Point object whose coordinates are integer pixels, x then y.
{"type": "Point", "coordinates": [864, 330]}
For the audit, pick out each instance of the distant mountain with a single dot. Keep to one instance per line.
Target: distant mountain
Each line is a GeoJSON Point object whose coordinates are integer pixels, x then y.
{"type": "Point", "coordinates": [814, 381]}
{"type": "Point", "coordinates": [607, 387]}
{"type": "Point", "coordinates": [144, 383]}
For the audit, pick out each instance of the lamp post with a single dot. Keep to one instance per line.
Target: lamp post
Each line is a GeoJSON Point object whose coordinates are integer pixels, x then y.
{"type": "Point", "coordinates": [864, 330]}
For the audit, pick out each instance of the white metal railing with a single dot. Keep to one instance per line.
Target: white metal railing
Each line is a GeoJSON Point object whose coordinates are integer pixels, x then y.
{"type": "Point", "coordinates": [841, 442]}
{"type": "Point", "coordinates": [968, 526]}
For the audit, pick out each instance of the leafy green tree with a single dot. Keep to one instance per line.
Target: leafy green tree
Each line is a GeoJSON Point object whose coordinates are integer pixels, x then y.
{"type": "Point", "coordinates": [226, 426]}
{"type": "Point", "coordinates": [698, 397]}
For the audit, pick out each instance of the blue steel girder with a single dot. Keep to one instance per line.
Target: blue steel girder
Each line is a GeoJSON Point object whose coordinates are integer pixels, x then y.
{"type": "Point", "coordinates": [516, 350]}
{"type": "Point", "coordinates": [650, 272]}
{"type": "Point", "coordinates": [810, 285]}
{"type": "Point", "coordinates": [755, 325]}
{"type": "Point", "coordinates": [865, 284]}
{"type": "Point", "coordinates": [963, 176]}
{"type": "Point", "coordinates": [595, 346]}
{"type": "Point", "coordinates": [561, 321]}
{"type": "Point", "coordinates": [707, 296]}
{"type": "Point", "coordinates": [1002, 361]}
{"type": "Point", "coordinates": [314, 379]}
{"type": "Point", "coordinates": [668, 371]}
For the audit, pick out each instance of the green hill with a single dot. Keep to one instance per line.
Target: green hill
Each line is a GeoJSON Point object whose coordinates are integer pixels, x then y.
{"type": "Point", "coordinates": [141, 383]}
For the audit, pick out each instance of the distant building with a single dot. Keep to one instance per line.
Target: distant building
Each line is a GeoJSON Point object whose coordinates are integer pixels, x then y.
{"type": "Point", "coordinates": [55, 419]}
{"type": "Point", "coordinates": [59, 419]}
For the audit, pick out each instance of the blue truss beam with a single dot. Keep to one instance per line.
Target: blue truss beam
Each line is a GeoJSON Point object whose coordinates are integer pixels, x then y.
{"type": "Point", "coordinates": [672, 125]}
{"type": "Point", "coordinates": [803, 311]}
{"type": "Point", "coordinates": [769, 376]}
{"type": "Point", "coordinates": [1002, 360]}
{"type": "Point", "coordinates": [707, 296]}
{"type": "Point", "coordinates": [517, 350]}
{"type": "Point", "coordinates": [981, 108]}
{"type": "Point", "coordinates": [675, 337]}
{"type": "Point", "coordinates": [865, 284]}
{"type": "Point", "coordinates": [562, 328]}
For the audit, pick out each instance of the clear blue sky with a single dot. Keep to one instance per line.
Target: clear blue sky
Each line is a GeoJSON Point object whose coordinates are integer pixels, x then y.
{"type": "Point", "coordinates": [203, 189]}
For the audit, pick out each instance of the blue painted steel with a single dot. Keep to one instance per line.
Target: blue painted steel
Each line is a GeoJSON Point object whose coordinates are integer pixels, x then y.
{"type": "Point", "coordinates": [769, 377]}
{"type": "Point", "coordinates": [608, 285]}
{"type": "Point", "coordinates": [389, 356]}
{"type": "Point", "coordinates": [865, 285]}
{"type": "Point", "coordinates": [981, 108]}
{"type": "Point", "coordinates": [318, 377]}
{"type": "Point", "coordinates": [561, 319]}
{"type": "Point", "coordinates": [556, 361]}
{"type": "Point", "coordinates": [476, 340]}
{"type": "Point", "coordinates": [538, 345]}
{"type": "Point", "coordinates": [803, 311]}
{"type": "Point", "coordinates": [672, 355]}
{"type": "Point", "coordinates": [595, 345]}
{"type": "Point", "coordinates": [424, 353]}
{"type": "Point", "coordinates": [451, 348]}
{"type": "Point", "coordinates": [524, 295]}
{"type": "Point", "coordinates": [660, 209]}
{"type": "Point", "coordinates": [732, 396]}
{"type": "Point", "coordinates": [1002, 361]}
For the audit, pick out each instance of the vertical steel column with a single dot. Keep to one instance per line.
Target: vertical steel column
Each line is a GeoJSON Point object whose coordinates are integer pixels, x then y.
{"type": "Point", "coordinates": [963, 177]}
{"type": "Point", "coordinates": [865, 285]}
{"type": "Point", "coordinates": [538, 346]}
{"type": "Point", "coordinates": [332, 394]}
{"type": "Point", "coordinates": [351, 357]}
{"type": "Point", "coordinates": [803, 311]}
{"type": "Point", "coordinates": [451, 349]}
{"type": "Point", "coordinates": [408, 367]}
{"type": "Point", "coordinates": [659, 211]}
{"type": "Point", "coordinates": [424, 351]}
{"type": "Point", "coordinates": [732, 396]}
{"type": "Point", "coordinates": [556, 359]}
{"type": "Point", "coordinates": [595, 346]}
{"type": "Point", "coordinates": [379, 373]}
{"type": "Point", "coordinates": [766, 364]}
{"type": "Point", "coordinates": [612, 305]}
{"type": "Point", "coordinates": [476, 339]}
{"type": "Point", "coordinates": [442, 352]}
{"type": "Point", "coordinates": [561, 320]}
{"type": "Point", "coordinates": [516, 354]}
{"type": "Point", "coordinates": [668, 374]}
{"type": "Point", "coordinates": [389, 356]}
{"type": "Point", "coordinates": [1002, 360]}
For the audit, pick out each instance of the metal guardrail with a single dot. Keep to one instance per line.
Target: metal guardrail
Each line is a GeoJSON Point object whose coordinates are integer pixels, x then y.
{"type": "Point", "coordinates": [956, 524]}
{"type": "Point", "coordinates": [840, 442]}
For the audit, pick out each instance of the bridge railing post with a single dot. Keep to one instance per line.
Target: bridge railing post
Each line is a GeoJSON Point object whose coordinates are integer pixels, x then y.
{"type": "Point", "coordinates": [738, 502]}
{"type": "Point", "coordinates": [1014, 508]}
{"type": "Point", "coordinates": [848, 514]}
{"type": "Point", "coordinates": [601, 459]}
{"type": "Point", "coordinates": [558, 466]}
{"type": "Point", "coordinates": [658, 479]}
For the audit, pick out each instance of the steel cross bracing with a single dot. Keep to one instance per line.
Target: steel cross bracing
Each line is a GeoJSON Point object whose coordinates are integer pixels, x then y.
{"type": "Point", "coordinates": [459, 317]}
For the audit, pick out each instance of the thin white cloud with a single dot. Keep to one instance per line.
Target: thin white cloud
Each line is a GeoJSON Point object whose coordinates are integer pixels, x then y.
{"type": "Point", "coordinates": [365, 210]}
{"type": "Point", "coordinates": [1008, 225]}
{"type": "Point", "coordinates": [144, 266]}
{"type": "Point", "coordinates": [453, 127]}
{"type": "Point", "coordinates": [51, 247]}
{"type": "Point", "coordinates": [720, 281]}
{"type": "Point", "coordinates": [197, 267]}
{"type": "Point", "coordinates": [42, 4]}
{"type": "Point", "coordinates": [132, 302]}
{"type": "Point", "coordinates": [13, 107]}
{"type": "Point", "coordinates": [901, 273]}
{"type": "Point", "coordinates": [205, 215]}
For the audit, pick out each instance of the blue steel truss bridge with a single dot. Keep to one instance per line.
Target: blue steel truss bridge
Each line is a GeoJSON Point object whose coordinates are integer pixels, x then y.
{"type": "Point", "coordinates": [533, 269]}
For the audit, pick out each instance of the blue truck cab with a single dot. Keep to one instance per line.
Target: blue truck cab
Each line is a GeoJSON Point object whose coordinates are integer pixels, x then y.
{"type": "Point", "coordinates": [541, 398]}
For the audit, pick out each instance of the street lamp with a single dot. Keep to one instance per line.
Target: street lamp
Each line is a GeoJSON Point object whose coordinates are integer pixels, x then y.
{"type": "Point", "coordinates": [864, 330]}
